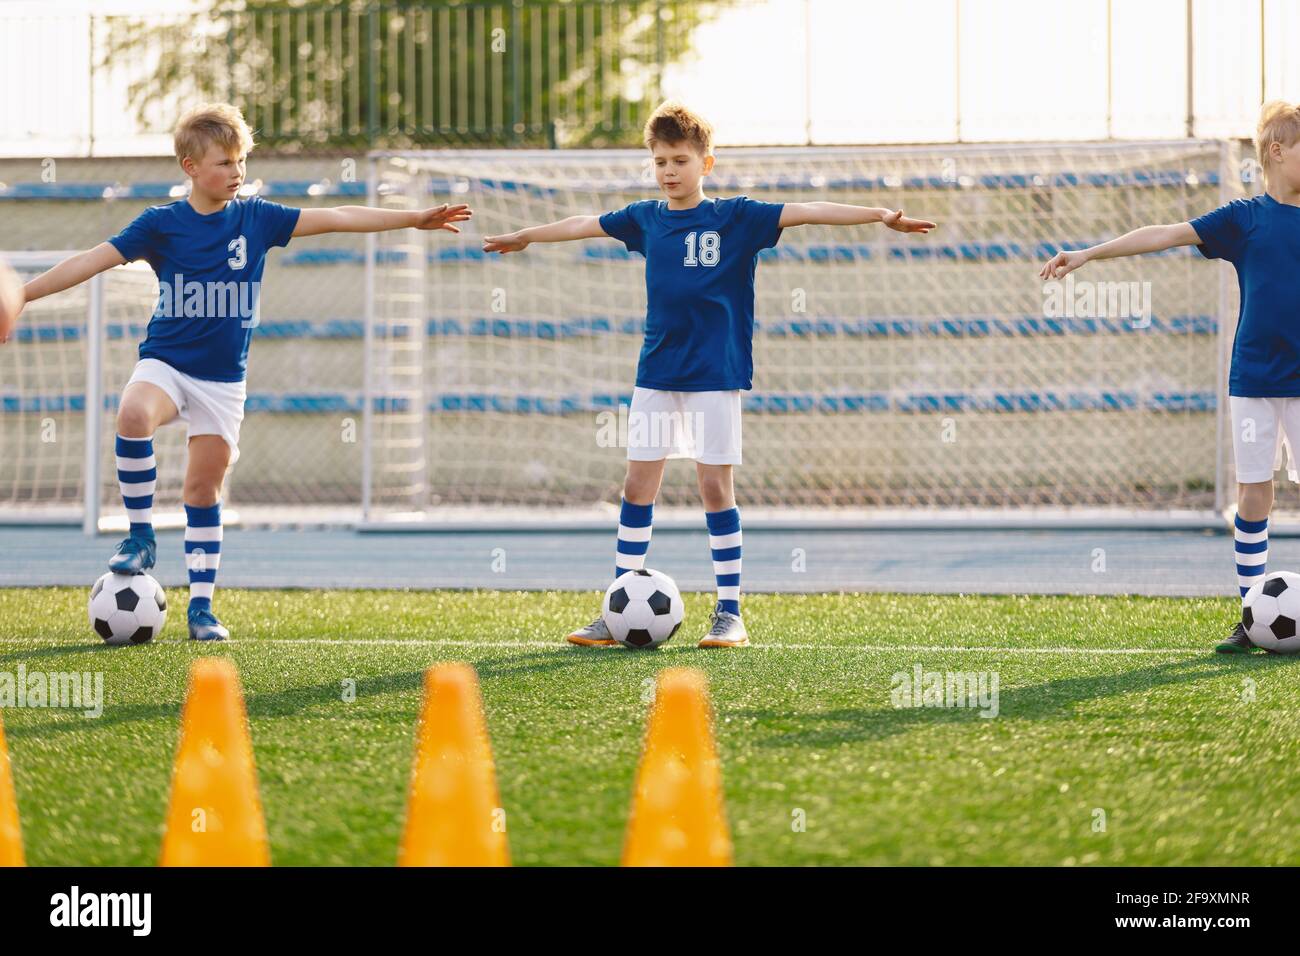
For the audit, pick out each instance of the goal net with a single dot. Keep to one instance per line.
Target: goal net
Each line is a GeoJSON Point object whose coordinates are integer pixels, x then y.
{"type": "Point", "coordinates": [300, 440]}
{"type": "Point", "coordinates": [57, 464]}
{"type": "Point", "coordinates": [915, 376]}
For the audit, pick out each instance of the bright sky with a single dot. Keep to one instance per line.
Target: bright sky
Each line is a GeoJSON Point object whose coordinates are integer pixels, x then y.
{"type": "Point", "coordinates": [829, 71]}
{"type": "Point", "coordinates": [849, 71]}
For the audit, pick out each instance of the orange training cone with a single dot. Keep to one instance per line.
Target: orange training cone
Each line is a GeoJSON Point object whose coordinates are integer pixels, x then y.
{"type": "Point", "coordinates": [214, 817]}
{"type": "Point", "coordinates": [11, 837]}
{"type": "Point", "coordinates": [453, 813]}
{"type": "Point", "coordinates": [677, 813]}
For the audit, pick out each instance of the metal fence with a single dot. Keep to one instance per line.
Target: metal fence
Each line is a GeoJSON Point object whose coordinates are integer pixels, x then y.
{"type": "Point", "coordinates": [580, 72]}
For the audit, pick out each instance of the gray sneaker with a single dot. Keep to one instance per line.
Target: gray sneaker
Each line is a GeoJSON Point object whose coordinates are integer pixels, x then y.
{"type": "Point", "coordinates": [725, 630]}
{"type": "Point", "coordinates": [595, 634]}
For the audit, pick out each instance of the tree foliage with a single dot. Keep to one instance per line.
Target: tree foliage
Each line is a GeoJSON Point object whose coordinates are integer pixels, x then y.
{"type": "Point", "coordinates": [498, 72]}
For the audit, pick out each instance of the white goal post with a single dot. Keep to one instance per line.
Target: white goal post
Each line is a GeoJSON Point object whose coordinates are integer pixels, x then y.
{"type": "Point", "coordinates": [899, 380]}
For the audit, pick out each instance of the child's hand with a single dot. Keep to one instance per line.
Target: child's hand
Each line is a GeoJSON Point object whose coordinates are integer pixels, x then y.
{"type": "Point", "coordinates": [1062, 264]}
{"type": "Point", "coordinates": [510, 242]}
{"type": "Point", "coordinates": [896, 220]}
{"type": "Point", "coordinates": [12, 300]}
{"type": "Point", "coordinates": [442, 217]}
{"type": "Point", "coordinates": [7, 321]}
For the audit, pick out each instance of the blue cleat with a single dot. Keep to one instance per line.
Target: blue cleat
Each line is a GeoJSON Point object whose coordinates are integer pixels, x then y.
{"type": "Point", "coordinates": [204, 626]}
{"type": "Point", "coordinates": [134, 555]}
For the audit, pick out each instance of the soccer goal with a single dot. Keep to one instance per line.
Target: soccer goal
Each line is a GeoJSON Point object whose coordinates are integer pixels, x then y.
{"type": "Point", "coordinates": [62, 374]}
{"type": "Point", "coordinates": [898, 379]}
{"type": "Point", "coordinates": [56, 440]}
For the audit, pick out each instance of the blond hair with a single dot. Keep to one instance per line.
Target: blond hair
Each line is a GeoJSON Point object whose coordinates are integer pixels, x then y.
{"type": "Point", "coordinates": [672, 122]}
{"type": "Point", "coordinates": [1279, 122]}
{"type": "Point", "coordinates": [210, 123]}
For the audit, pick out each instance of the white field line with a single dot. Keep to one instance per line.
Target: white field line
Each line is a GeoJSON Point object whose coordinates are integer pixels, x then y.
{"type": "Point", "coordinates": [560, 645]}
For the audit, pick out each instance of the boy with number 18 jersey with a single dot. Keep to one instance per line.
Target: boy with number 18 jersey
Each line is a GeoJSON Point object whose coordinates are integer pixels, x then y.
{"type": "Point", "coordinates": [696, 360]}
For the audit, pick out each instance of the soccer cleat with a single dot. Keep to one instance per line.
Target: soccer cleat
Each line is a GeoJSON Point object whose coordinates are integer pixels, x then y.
{"type": "Point", "coordinates": [1237, 643]}
{"type": "Point", "coordinates": [595, 634]}
{"type": "Point", "coordinates": [134, 555]}
{"type": "Point", "coordinates": [725, 630]}
{"type": "Point", "coordinates": [204, 626]}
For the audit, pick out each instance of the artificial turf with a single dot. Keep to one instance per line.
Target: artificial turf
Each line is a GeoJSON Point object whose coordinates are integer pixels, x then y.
{"type": "Point", "coordinates": [1185, 757]}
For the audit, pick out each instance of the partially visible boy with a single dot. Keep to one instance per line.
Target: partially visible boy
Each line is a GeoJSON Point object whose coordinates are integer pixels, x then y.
{"type": "Point", "coordinates": [1261, 238]}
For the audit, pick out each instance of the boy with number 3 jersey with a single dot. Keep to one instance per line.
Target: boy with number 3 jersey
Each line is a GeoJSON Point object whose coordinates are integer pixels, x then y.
{"type": "Point", "coordinates": [208, 251]}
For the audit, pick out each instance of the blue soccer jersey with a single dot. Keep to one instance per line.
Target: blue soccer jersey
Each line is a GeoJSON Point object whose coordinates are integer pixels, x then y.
{"type": "Point", "coordinates": [699, 278]}
{"type": "Point", "coordinates": [209, 270]}
{"type": "Point", "coordinates": [1261, 237]}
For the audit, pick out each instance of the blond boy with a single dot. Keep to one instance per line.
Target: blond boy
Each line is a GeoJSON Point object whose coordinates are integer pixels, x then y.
{"type": "Point", "coordinates": [1261, 238]}
{"type": "Point", "coordinates": [208, 251]}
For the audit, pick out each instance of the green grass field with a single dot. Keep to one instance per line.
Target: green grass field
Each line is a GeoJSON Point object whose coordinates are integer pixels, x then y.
{"type": "Point", "coordinates": [1194, 759]}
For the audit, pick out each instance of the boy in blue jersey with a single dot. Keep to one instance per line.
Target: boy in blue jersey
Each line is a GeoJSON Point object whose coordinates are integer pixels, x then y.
{"type": "Point", "coordinates": [700, 257]}
{"type": "Point", "coordinates": [1261, 238]}
{"type": "Point", "coordinates": [208, 251]}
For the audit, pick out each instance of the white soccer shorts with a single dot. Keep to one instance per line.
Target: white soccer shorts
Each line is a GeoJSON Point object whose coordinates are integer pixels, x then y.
{"type": "Point", "coordinates": [1260, 427]}
{"type": "Point", "coordinates": [704, 426]}
{"type": "Point", "coordinates": [209, 408]}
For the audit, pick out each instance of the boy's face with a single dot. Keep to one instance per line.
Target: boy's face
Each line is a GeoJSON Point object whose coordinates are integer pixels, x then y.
{"type": "Point", "coordinates": [217, 174]}
{"type": "Point", "coordinates": [679, 167]}
{"type": "Point", "coordinates": [1288, 166]}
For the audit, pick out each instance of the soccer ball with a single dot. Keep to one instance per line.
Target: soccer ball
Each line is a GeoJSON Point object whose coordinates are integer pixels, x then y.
{"type": "Point", "coordinates": [127, 608]}
{"type": "Point", "coordinates": [1271, 609]}
{"type": "Point", "coordinates": [642, 608]}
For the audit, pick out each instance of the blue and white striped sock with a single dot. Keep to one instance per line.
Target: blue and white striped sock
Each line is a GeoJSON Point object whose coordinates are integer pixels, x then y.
{"type": "Point", "coordinates": [1251, 542]}
{"type": "Point", "coordinates": [633, 537]}
{"type": "Point", "coordinates": [724, 542]}
{"type": "Point", "coordinates": [137, 477]}
{"type": "Point", "coordinates": [202, 552]}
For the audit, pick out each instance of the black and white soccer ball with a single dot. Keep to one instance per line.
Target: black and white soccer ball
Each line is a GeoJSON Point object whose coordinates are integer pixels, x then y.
{"type": "Point", "coordinates": [642, 608]}
{"type": "Point", "coordinates": [1271, 612]}
{"type": "Point", "coordinates": [127, 608]}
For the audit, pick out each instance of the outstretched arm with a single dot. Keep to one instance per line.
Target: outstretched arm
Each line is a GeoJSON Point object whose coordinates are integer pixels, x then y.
{"type": "Point", "coordinates": [73, 270]}
{"type": "Point", "coordinates": [841, 214]}
{"type": "Point", "coordinates": [575, 227]}
{"type": "Point", "coordinates": [315, 222]}
{"type": "Point", "coordinates": [1135, 243]}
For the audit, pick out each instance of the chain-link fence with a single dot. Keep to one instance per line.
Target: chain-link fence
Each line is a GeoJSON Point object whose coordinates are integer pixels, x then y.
{"type": "Point", "coordinates": [869, 345]}
{"type": "Point", "coordinates": [891, 371]}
